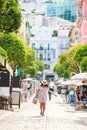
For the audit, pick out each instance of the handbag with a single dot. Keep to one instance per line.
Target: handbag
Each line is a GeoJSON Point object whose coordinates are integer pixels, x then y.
{"type": "Point", "coordinates": [35, 99]}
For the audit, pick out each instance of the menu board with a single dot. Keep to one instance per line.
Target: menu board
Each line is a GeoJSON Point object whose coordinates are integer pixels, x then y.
{"type": "Point", "coordinates": [15, 98]}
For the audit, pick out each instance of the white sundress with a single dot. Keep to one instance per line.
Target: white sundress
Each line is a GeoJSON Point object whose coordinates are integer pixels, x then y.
{"type": "Point", "coordinates": [43, 92]}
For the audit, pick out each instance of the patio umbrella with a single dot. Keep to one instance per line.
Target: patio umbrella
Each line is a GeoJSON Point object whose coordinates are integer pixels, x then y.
{"type": "Point", "coordinates": [28, 79]}
{"type": "Point", "coordinates": [79, 76]}
{"type": "Point", "coordinates": [70, 83]}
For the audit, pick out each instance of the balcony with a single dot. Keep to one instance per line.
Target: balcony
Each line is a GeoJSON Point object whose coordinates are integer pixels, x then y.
{"type": "Point", "coordinates": [80, 20]}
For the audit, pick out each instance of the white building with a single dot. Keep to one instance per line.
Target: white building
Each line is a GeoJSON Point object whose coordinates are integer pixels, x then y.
{"type": "Point", "coordinates": [46, 49]}
{"type": "Point", "coordinates": [49, 38]}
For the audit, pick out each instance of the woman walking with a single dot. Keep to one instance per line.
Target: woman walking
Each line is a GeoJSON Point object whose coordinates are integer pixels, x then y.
{"type": "Point", "coordinates": [42, 92]}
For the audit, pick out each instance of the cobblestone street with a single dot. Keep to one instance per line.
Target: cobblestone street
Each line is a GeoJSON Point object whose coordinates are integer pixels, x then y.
{"type": "Point", "coordinates": [58, 116]}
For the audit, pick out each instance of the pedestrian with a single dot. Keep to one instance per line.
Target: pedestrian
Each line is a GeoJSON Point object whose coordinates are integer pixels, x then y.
{"type": "Point", "coordinates": [42, 92]}
{"type": "Point", "coordinates": [78, 93]}
{"type": "Point", "coordinates": [51, 89]}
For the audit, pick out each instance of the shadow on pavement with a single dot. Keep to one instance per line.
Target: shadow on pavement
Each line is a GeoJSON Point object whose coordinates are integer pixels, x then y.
{"type": "Point", "coordinates": [82, 121]}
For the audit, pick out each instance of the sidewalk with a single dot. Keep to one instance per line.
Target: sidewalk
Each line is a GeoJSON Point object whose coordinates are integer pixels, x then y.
{"type": "Point", "coordinates": [58, 116]}
{"type": "Point", "coordinates": [4, 112]}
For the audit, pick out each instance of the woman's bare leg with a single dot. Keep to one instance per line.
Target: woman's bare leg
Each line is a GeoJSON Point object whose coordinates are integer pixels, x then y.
{"type": "Point", "coordinates": [41, 108]}
{"type": "Point", "coordinates": [44, 107]}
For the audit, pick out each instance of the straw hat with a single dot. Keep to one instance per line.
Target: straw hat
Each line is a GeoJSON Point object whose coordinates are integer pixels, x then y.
{"type": "Point", "coordinates": [44, 82]}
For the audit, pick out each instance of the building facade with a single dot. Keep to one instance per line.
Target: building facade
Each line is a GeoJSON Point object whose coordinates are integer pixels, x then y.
{"type": "Point", "coordinates": [82, 20]}
{"type": "Point", "coordinates": [65, 9]}
{"type": "Point", "coordinates": [49, 36]}
{"type": "Point", "coordinates": [45, 47]}
{"type": "Point", "coordinates": [49, 41]}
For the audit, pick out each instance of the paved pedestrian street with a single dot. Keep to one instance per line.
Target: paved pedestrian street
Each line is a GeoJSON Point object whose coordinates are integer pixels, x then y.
{"type": "Point", "coordinates": [58, 116]}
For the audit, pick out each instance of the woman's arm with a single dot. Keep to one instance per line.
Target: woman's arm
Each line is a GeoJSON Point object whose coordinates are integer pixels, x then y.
{"type": "Point", "coordinates": [52, 92]}
{"type": "Point", "coordinates": [37, 91]}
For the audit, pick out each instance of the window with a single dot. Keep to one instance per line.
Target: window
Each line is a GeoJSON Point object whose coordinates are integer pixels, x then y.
{"type": "Point", "coordinates": [47, 67]}
{"type": "Point", "coordinates": [41, 46]}
{"type": "Point", "coordinates": [33, 45]}
{"type": "Point", "coordinates": [55, 33]}
{"type": "Point", "coordinates": [40, 56]}
{"type": "Point", "coordinates": [49, 56]}
{"type": "Point", "coordinates": [32, 35]}
{"type": "Point", "coordinates": [80, 11]}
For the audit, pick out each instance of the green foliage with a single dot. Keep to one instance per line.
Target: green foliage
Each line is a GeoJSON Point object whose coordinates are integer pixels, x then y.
{"type": "Point", "coordinates": [83, 64]}
{"type": "Point", "coordinates": [67, 74]}
{"type": "Point", "coordinates": [10, 17]}
{"type": "Point", "coordinates": [2, 4]}
{"type": "Point", "coordinates": [3, 53]}
{"type": "Point", "coordinates": [59, 69]}
{"type": "Point", "coordinates": [81, 52]}
{"type": "Point", "coordinates": [40, 65]}
{"type": "Point", "coordinates": [67, 64]}
{"type": "Point", "coordinates": [15, 49]}
{"type": "Point", "coordinates": [31, 69]}
{"type": "Point", "coordinates": [30, 66]}
{"type": "Point", "coordinates": [30, 55]}
{"type": "Point", "coordinates": [73, 64]}
{"type": "Point", "coordinates": [72, 61]}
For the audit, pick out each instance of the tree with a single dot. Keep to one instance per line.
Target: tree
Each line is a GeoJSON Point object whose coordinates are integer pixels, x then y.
{"type": "Point", "coordinates": [2, 4]}
{"type": "Point", "coordinates": [67, 64]}
{"type": "Point", "coordinates": [3, 53]}
{"type": "Point", "coordinates": [59, 69]}
{"type": "Point", "coordinates": [15, 49]}
{"type": "Point", "coordinates": [10, 17]}
{"type": "Point", "coordinates": [73, 64]}
{"type": "Point", "coordinates": [30, 66]}
{"type": "Point", "coordinates": [81, 52]}
{"type": "Point", "coordinates": [30, 55]}
{"type": "Point", "coordinates": [40, 65]}
{"type": "Point", "coordinates": [33, 69]}
{"type": "Point", "coordinates": [83, 64]}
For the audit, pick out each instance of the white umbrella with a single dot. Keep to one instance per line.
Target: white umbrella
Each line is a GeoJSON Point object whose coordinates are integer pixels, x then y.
{"type": "Point", "coordinates": [68, 83]}
{"type": "Point", "coordinates": [71, 83]}
{"type": "Point", "coordinates": [28, 79]}
{"type": "Point", "coordinates": [79, 76]}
